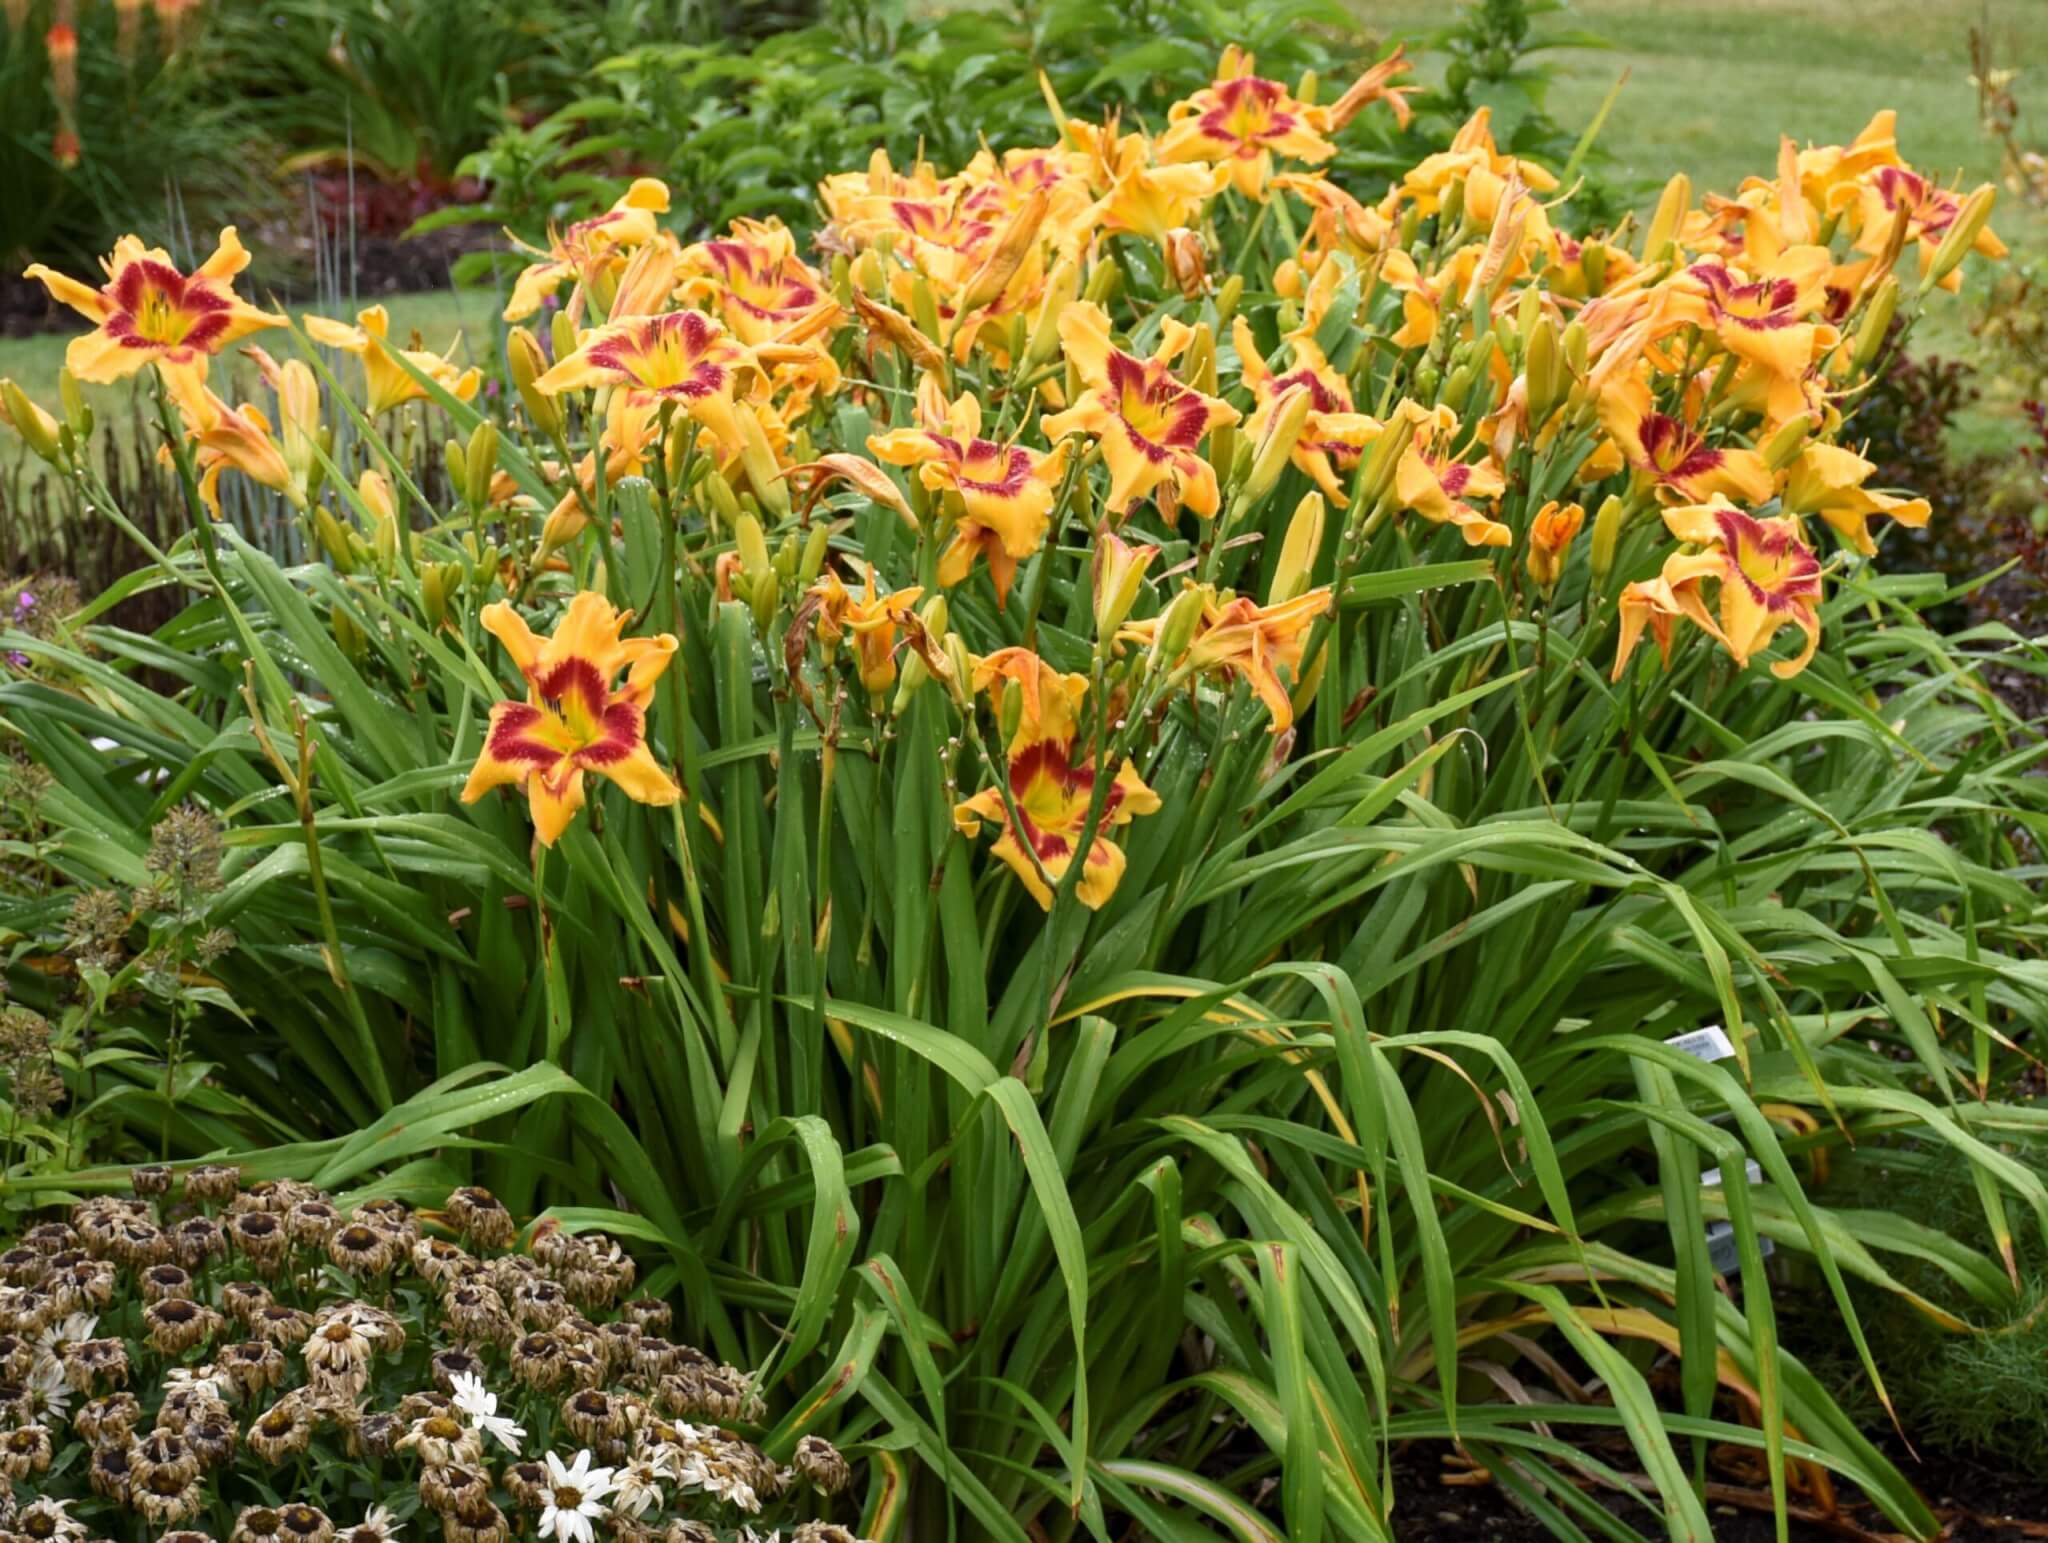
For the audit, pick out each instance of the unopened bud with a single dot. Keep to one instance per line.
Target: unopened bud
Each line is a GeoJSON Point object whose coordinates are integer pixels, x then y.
{"type": "Point", "coordinates": [1671, 207]}
{"type": "Point", "coordinates": [1119, 573]}
{"type": "Point", "coordinates": [347, 634]}
{"type": "Point", "coordinates": [752, 544]}
{"type": "Point", "coordinates": [815, 546]}
{"type": "Point", "coordinates": [1104, 282]}
{"type": "Point", "coordinates": [1010, 711]}
{"type": "Point", "coordinates": [1283, 432]}
{"type": "Point", "coordinates": [1298, 550]}
{"type": "Point", "coordinates": [1962, 235]}
{"type": "Point", "coordinates": [1177, 624]}
{"type": "Point", "coordinates": [1062, 285]}
{"type": "Point", "coordinates": [1782, 446]}
{"type": "Point", "coordinates": [1877, 321]}
{"type": "Point", "coordinates": [334, 542]}
{"type": "Point", "coordinates": [77, 411]}
{"type": "Point", "coordinates": [1227, 299]}
{"type": "Point", "coordinates": [562, 334]}
{"type": "Point", "coordinates": [1606, 536]}
{"type": "Point", "coordinates": [36, 427]}
{"type": "Point", "coordinates": [480, 460]}
{"type": "Point", "coordinates": [767, 596]}
{"type": "Point", "coordinates": [757, 457]}
{"type": "Point", "coordinates": [527, 364]}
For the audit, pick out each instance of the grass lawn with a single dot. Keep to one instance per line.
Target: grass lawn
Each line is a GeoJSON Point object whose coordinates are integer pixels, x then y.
{"type": "Point", "coordinates": [437, 316]}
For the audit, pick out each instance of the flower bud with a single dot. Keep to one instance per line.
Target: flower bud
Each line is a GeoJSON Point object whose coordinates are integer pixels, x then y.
{"type": "Point", "coordinates": [456, 464]}
{"type": "Point", "coordinates": [333, 539]}
{"type": "Point", "coordinates": [1119, 573]}
{"type": "Point", "coordinates": [1298, 550]}
{"type": "Point", "coordinates": [752, 544]}
{"type": "Point", "coordinates": [439, 582]}
{"type": "Point", "coordinates": [1575, 349]}
{"type": "Point", "coordinates": [1198, 364]}
{"type": "Point", "coordinates": [815, 546]}
{"type": "Point", "coordinates": [480, 460]}
{"type": "Point", "coordinates": [77, 411]}
{"type": "Point", "coordinates": [1962, 235]}
{"type": "Point", "coordinates": [718, 493]}
{"type": "Point", "coordinates": [562, 334]}
{"type": "Point", "coordinates": [758, 460]}
{"type": "Point", "coordinates": [1542, 371]}
{"type": "Point", "coordinates": [924, 309]}
{"type": "Point", "coordinates": [1664, 223]}
{"type": "Point", "coordinates": [1010, 711]}
{"type": "Point", "coordinates": [1061, 287]}
{"type": "Point", "coordinates": [1877, 321]}
{"type": "Point", "coordinates": [1283, 432]}
{"type": "Point", "coordinates": [1177, 624]}
{"type": "Point", "coordinates": [35, 426]}
{"type": "Point", "coordinates": [1550, 537]}
{"type": "Point", "coordinates": [527, 364]}
{"type": "Point", "coordinates": [1227, 299]}
{"type": "Point", "coordinates": [1606, 536]}
{"type": "Point", "coordinates": [347, 635]}
{"type": "Point", "coordinates": [1104, 282]}
{"type": "Point", "coordinates": [1782, 446]}
{"type": "Point", "coordinates": [767, 596]}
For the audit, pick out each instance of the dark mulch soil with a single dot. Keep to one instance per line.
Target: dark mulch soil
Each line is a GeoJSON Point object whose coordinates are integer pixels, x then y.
{"type": "Point", "coordinates": [381, 265]}
{"type": "Point", "coordinates": [1439, 1503]}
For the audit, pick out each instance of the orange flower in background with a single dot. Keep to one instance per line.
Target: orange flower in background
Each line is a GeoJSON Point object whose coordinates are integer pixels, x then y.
{"type": "Point", "coordinates": [387, 383]}
{"type": "Point", "coordinates": [1052, 786]}
{"type": "Point", "coordinates": [1148, 422]}
{"type": "Point", "coordinates": [1929, 210]}
{"type": "Point", "coordinates": [1239, 639]}
{"type": "Point", "coordinates": [872, 621]}
{"type": "Point", "coordinates": [587, 250]}
{"type": "Point", "coordinates": [1242, 122]}
{"type": "Point", "coordinates": [1006, 491]}
{"type": "Point", "coordinates": [149, 313]}
{"type": "Point", "coordinates": [630, 429]}
{"type": "Point", "coordinates": [684, 357]}
{"type": "Point", "coordinates": [1672, 455]}
{"type": "Point", "coordinates": [238, 437]}
{"type": "Point", "coordinates": [574, 721]}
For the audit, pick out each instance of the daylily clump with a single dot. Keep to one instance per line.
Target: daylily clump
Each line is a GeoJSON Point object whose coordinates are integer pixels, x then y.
{"type": "Point", "coordinates": [1023, 433]}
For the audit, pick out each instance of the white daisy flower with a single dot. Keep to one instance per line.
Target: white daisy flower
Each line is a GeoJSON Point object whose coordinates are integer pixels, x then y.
{"type": "Point", "coordinates": [473, 1399]}
{"type": "Point", "coordinates": [49, 1389]}
{"type": "Point", "coordinates": [378, 1526]}
{"type": "Point", "coordinates": [575, 1497]}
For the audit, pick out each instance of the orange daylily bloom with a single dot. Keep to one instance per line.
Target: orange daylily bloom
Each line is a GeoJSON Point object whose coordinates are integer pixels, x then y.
{"type": "Point", "coordinates": [1436, 486]}
{"type": "Point", "coordinates": [1006, 491]}
{"type": "Point", "coordinates": [1336, 434]}
{"type": "Point", "coordinates": [683, 357]}
{"type": "Point", "coordinates": [872, 621]}
{"type": "Point", "coordinates": [386, 383]}
{"type": "Point", "coordinates": [1766, 320]}
{"type": "Point", "coordinates": [588, 251]}
{"type": "Point", "coordinates": [149, 313]}
{"type": "Point", "coordinates": [1929, 209]}
{"type": "Point", "coordinates": [574, 720]}
{"type": "Point", "coordinates": [1241, 122]}
{"type": "Point", "coordinates": [764, 291]}
{"type": "Point", "coordinates": [631, 426]}
{"type": "Point", "coordinates": [1237, 638]}
{"type": "Point", "coordinates": [1052, 785]}
{"type": "Point", "coordinates": [1827, 480]}
{"type": "Point", "coordinates": [238, 437]}
{"type": "Point", "coordinates": [1672, 455]}
{"type": "Point", "coordinates": [1768, 579]}
{"type": "Point", "coordinates": [1148, 422]}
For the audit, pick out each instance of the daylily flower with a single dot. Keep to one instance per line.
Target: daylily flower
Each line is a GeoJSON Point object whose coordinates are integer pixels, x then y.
{"type": "Point", "coordinates": [873, 621]}
{"type": "Point", "coordinates": [233, 436]}
{"type": "Point", "coordinates": [1659, 604]}
{"type": "Point", "coordinates": [684, 357]}
{"type": "Point", "coordinates": [1005, 490]}
{"type": "Point", "coordinates": [1148, 422]}
{"type": "Point", "coordinates": [1237, 638]}
{"type": "Point", "coordinates": [1243, 121]}
{"type": "Point", "coordinates": [1930, 210]}
{"type": "Point", "coordinates": [1149, 200]}
{"type": "Point", "coordinates": [1435, 485]}
{"type": "Point", "coordinates": [1474, 160]}
{"type": "Point", "coordinates": [1827, 480]}
{"type": "Point", "coordinates": [573, 720]}
{"type": "Point", "coordinates": [1052, 786]}
{"type": "Point", "coordinates": [387, 382]}
{"type": "Point", "coordinates": [1768, 578]}
{"type": "Point", "coordinates": [1765, 319]}
{"type": "Point", "coordinates": [1672, 455]}
{"type": "Point", "coordinates": [630, 430]}
{"type": "Point", "coordinates": [149, 313]}
{"type": "Point", "coordinates": [1336, 434]}
{"type": "Point", "coordinates": [1340, 223]}
{"type": "Point", "coordinates": [298, 411]}
{"type": "Point", "coordinates": [765, 292]}
{"type": "Point", "coordinates": [587, 251]}
{"type": "Point", "coordinates": [1118, 571]}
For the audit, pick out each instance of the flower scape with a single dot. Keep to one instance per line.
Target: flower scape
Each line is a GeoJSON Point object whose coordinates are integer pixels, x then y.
{"type": "Point", "coordinates": [263, 1365]}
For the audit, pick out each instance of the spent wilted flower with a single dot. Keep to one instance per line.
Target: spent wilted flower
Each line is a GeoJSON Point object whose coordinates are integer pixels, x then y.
{"type": "Point", "coordinates": [480, 1216]}
{"type": "Point", "coordinates": [449, 1487]}
{"type": "Point", "coordinates": [161, 1282]}
{"type": "Point", "coordinates": [108, 1419]}
{"type": "Point", "coordinates": [261, 1237]}
{"type": "Point", "coordinates": [300, 1523]}
{"type": "Point", "coordinates": [197, 1240]}
{"type": "Point", "coordinates": [175, 1324]}
{"type": "Point", "coordinates": [24, 1450]}
{"type": "Point", "coordinates": [280, 1432]}
{"type": "Point", "coordinates": [212, 1183]}
{"type": "Point", "coordinates": [377, 1526]}
{"type": "Point", "coordinates": [252, 1366]}
{"type": "Point", "coordinates": [258, 1524]}
{"type": "Point", "coordinates": [110, 1470]}
{"type": "Point", "coordinates": [821, 1465]}
{"type": "Point", "coordinates": [477, 1521]}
